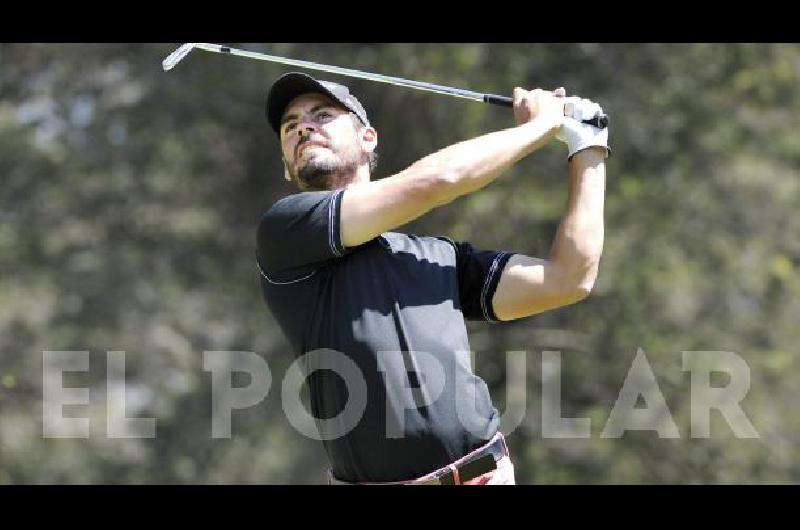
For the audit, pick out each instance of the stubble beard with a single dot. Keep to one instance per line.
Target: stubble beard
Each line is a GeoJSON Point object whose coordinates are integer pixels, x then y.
{"type": "Point", "coordinates": [330, 172]}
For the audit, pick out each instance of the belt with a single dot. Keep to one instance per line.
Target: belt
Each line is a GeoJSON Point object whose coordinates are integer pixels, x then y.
{"type": "Point", "coordinates": [482, 461]}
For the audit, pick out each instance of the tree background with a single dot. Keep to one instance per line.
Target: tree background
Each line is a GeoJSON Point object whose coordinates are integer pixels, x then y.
{"type": "Point", "coordinates": [130, 197]}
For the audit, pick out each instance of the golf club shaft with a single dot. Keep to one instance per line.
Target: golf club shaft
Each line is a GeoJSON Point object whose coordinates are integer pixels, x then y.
{"type": "Point", "coordinates": [597, 121]}
{"type": "Point", "coordinates": [430, 87]}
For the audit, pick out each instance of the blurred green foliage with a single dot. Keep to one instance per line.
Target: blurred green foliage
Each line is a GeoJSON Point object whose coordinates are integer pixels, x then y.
{"type": "Point", "coordinates": [130, 197]}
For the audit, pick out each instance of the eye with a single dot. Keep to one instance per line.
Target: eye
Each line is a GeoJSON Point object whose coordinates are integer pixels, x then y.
{"type": "Point", "coordinates": [289, 128]}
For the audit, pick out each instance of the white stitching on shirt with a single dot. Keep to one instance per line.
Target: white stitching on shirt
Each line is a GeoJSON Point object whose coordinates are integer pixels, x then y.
{"type": "Point", "coordinates": [331, 236]}
{"type": "Point", "coordinates": [485, 290]}
{"type": "Point", "coordinates": [330, 224]}
{"type": "Point", "coordinates": [270, 280]}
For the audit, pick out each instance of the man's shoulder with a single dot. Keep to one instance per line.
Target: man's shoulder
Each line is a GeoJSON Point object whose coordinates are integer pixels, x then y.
{"type": "Point", "coordinates": [295, 200]}
{"type": "Point", "coordinates": [288, 210]}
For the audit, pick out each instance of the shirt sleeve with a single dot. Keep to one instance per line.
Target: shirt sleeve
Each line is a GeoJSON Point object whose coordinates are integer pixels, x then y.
{"type": "Point", "coordinates": [479, 273]}
{"type": "Point", "coordinates": [298, 234]}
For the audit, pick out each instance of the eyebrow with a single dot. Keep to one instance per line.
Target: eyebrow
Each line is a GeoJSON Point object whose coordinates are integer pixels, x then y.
{"type": "Point", "coordinates": [314, 109]}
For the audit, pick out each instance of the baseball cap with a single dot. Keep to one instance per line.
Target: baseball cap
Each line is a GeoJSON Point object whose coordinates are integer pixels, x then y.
{"type": "Point", "coordinates": [294, 84]}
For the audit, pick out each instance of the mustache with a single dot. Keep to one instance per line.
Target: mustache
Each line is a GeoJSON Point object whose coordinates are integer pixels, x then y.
{"type": "Point", "coordinates": [305, 140]}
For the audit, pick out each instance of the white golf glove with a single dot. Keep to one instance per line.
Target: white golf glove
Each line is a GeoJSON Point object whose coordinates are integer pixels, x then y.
{"type": "Point", "coordinates": [578, 135]}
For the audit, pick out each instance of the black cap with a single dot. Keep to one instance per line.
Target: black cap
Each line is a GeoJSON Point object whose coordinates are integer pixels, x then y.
{"type": "Point", "coordinates": [294, 84]}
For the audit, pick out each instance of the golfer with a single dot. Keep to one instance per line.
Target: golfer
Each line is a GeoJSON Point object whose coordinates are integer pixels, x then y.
{"type": "Point", "coordinates": [378, 315]}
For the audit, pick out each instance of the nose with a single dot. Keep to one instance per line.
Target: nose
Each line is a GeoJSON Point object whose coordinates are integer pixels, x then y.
{"type": "Point", "coordinates": [304, 133]}
{"type": "Point", "coordinates": [305, 129]}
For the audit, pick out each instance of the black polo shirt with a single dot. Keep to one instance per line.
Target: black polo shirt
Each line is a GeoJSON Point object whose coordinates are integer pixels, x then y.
{"type": "Point", "coordinates": [394, 306]}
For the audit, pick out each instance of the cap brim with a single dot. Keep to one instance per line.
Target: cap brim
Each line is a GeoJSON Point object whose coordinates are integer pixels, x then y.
{"type": "Point", "coordinates": [285, 89]}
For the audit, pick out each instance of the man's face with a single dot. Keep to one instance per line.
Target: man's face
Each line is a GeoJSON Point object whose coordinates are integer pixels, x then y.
{"type": "Point", "coordinates": [320, 142]}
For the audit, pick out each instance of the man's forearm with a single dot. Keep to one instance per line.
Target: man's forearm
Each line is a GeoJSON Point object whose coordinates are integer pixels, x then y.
{"type": "Point", "coordinates": [472, 164]}
{"type": "Point", "coordinates": [373, 207]}
{"type": "Point", "coordinates": [578, 244]}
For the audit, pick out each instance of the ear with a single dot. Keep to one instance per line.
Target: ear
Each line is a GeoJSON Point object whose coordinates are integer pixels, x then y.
{"type": "Point", "coordinates": [369, 138]}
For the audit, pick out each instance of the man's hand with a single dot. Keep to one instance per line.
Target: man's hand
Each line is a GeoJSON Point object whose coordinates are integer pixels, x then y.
{"type": "Point", "coordinates": [578, 135]}
{"type": "Point", "coordinates": [532, 104]}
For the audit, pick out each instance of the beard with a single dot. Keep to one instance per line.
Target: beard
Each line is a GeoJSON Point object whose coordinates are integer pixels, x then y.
{"type": "Point", "coordinates": [329, 172]}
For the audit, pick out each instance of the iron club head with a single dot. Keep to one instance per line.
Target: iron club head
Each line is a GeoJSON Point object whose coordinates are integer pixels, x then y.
{"type": "Point", "coordinates": [176, 56]}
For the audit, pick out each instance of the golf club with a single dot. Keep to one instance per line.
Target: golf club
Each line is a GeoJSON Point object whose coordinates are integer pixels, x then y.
{"type": "Point", "coordinates": [600, 120]}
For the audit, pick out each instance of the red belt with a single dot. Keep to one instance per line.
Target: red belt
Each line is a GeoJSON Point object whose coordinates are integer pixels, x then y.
{"type": "Point", "coordinates": [482, 461]}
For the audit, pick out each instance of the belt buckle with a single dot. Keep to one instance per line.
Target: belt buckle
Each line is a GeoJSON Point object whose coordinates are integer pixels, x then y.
{"type": "Point", "coordinates": [477, 467]}
{"type": "Point", "coordinates": [480, 464]}
{"type": "Point", "coordinates": [447, 478]}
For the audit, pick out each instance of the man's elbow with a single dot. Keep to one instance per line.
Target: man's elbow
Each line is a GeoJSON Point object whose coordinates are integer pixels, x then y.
{"type": "Point", "coordinates": [573, 295]}
{"type": "Point", "coordinates": [581, 293]}
{"type": "Point", "coordinates": [581, 287]}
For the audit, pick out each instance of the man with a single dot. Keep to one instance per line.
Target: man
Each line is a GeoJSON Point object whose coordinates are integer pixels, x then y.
{"type": "Point", "coordinates": [379, 315]}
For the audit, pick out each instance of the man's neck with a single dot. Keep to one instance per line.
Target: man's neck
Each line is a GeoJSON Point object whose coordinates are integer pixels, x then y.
{"type": "Point", "coordinates": [349, 179]}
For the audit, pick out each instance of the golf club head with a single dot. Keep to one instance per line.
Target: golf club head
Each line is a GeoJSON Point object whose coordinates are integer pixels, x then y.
{"type": "Point", "coordinates": [176, 56]}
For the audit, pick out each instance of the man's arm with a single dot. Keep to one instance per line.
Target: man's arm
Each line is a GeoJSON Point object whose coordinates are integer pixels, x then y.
{"type": "Point", "coordinates": [532, 285]}
{"type": "Point", "coordinates": [371, 208]}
